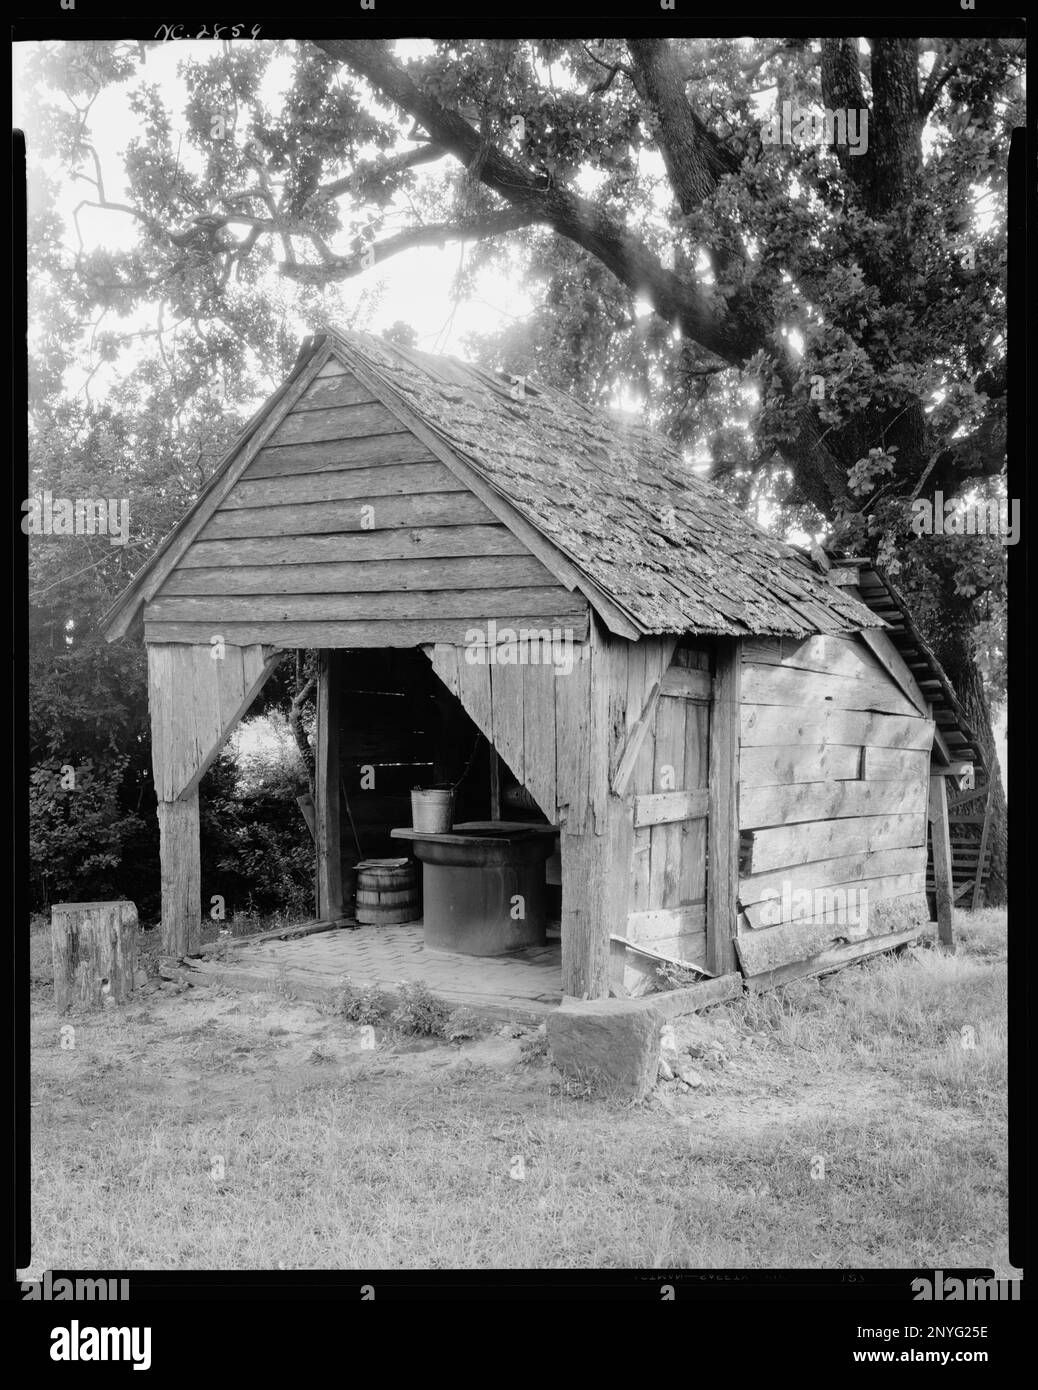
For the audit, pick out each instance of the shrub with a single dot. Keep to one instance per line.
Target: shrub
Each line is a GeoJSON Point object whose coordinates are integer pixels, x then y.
{"type": "Point", "coordinates": [78, 834]}
{"type": "Point", "coordinates": [366, 1004]}
{"type": "Point", "coordinates": [420, 1012]}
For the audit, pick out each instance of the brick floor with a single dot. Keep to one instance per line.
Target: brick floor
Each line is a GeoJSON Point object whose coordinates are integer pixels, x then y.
{"type": "Point", "coordinates": [524, 985]}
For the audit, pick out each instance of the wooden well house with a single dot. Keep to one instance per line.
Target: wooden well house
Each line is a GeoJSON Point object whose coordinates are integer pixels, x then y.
{"type": "Point", "coordinates": [714, 724]}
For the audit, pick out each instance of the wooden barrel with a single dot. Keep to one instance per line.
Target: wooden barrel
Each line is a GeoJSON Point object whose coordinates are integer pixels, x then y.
{"type": "Point", "coordinates": [387, 892]}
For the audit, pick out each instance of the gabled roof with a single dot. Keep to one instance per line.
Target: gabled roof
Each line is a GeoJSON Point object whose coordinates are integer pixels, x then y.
{"type": "Point", "coordinates": [655, 547]}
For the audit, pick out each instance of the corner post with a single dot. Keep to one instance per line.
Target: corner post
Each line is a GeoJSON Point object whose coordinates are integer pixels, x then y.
{"type": "Point", "coordinates": [326, 787]}
{"type": "Point", "coordinates": [722, 872]}
{"type": "Point", "coordinates": [940, 841]}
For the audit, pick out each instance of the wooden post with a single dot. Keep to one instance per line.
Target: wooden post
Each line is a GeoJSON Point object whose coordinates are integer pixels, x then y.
{"type": "Point", "coordinates": [940, 842]}
{"type": "Point", "coordinates": [722, 835]}
{"type": "Point", "coordinates": [94, 947]}
{"type": "Point", "coordinates": [978, 882]}
{"type": "Point", "coordinates": [326, 781]}
{"type": "Point", "coordinates": [181, 876]}
{"type": "Point", "coordinates": [596, 860]}
{"type": "Point", "coordinates": [495, 783]}
{"type": "Point", "coordinates": [596, 877]}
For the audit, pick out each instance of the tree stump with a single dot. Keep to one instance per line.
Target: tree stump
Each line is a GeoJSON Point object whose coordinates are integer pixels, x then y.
{"type": "Point", "coordinates": [95, 953]}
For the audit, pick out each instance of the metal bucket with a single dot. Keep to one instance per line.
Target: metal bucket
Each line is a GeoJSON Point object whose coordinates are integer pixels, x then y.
{"type": "Point", "coordinates": [432, 810]}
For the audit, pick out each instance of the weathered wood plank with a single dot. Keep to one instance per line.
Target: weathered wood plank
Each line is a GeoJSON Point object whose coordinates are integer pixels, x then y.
{"type": "Point", "coordinates": [635, 741]}
{"type": "Point", "coordinates": [799, 844]}
{"type": "Point", "coordinates": [764, 806]}
{"type": "Point", "coordinates": [666, 921]}
{"type": "Point", "coordinates": [769, 949]}
{"type": "Point", "coordinates": [366, 484]}
{"type": "Point", "coordinates": [595, 888]}
{"type": "Point", "coordinates": [364, 576]}
{"type": "Point", "coordinates": [181, 875]}
{"type": "Point", "coordinates": [694, 832]}
{"type": "Point", "coordinates": [381, 514]}
{"type": "Point", "coordinates": [333, 367]}
{"type": "Point", "coordinates": [363, 547]}
{"type": "Point", "coordinates": [764, 724]}
{"type": "Point", "coordinates": [326, 785]}
{"type": "Point", "coordinates": [783, 685]}
{"type": "Point", "coordinates": [539, 683]}
{"type": "Point", "coordinates": [685, 683]}
{"type": "Point", "coordinates": [894, 664]}
{"type": "Point", "coordinates": [346, 607]}
{"type": "Point", "coordinates": [343, 422]}
{"type": "Point", "coordinates": [474, 692]}
{"type": "Point", "coordinates": [506, 688]}
{"type": "Point", "coordinates": [642, 741]}
{"type": "Point", "coordinates": [825, 654]}
{"type": "Point", "coordinates": [940, 850]}
{"type": "Point", "coordinates": [886, 764]}
{"type": "Point", "coordinates": [874, 864]}
{"type": "Point", "coordinates": [572, 745]}
{"type": "Point", "coordinates": [723, 824]}
{"type": "Point", "coordinates": [336, 455]}
{"type": "Point", "coordinates": [662, 808]}
{"type": "Point", "coordinates": [983, 854]}
{"type": "Point", "coordinates": [812, 900]}
{"type": "Point", "coordinates": [328, 392]}
{"type": "Point", "coordinates": [832, 958]}
{"type": "Point", "coordinates": [778, 766]}
{"type": "Point", "coordinates": [375, 633]}
{"type": "Point", "coordinates": [196, 696]}
{"type": "Point", "coordinates": [665, 839]}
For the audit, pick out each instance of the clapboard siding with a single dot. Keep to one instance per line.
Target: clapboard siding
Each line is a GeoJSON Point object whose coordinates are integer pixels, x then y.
{"type": "Point", "coordinates": [534, 603]}
{"type": "Point", "coordinates": [375, 514]}
{"type": "Point", "coordinates": [387, 480]}
{"type": "Point", "coordinates": [783, 685]}
{"type": "Point", "coordinates": [764, 724]}
{"type": "Point", "coordinates": [361, 576]}
{"type": "Point", "coordinates": [791, 904]}
{"type": "Point", "coordinates": [336, 455]}
{"type": "Point", "coordinates": [341, 389]}
{"type": "Point", "coordinates": [834, 761]}
{"type": "Point", "coordinates": [369, 633]}
{"type": "Point", "coordinates": [418, 544]}
{"type": "Point", "coordinates": [341, 422]}
{"type": "Point", "coordinates": [345, 524]}
{"type": "Point", "coordinates": [864, 864]}
{"type": "Point", "coordinates": [761, 806]}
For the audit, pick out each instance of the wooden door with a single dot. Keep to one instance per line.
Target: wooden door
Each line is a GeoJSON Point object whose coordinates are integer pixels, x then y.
{"type": "Point", "coordinates": [671, 803]}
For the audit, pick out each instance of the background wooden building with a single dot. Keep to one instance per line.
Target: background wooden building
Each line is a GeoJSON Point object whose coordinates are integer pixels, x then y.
{"type": "Point", "coordinates": [733, 724]}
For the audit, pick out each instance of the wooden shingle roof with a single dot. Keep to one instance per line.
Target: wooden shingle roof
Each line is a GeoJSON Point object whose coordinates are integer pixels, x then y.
{"type": "Point", "coordinates": [652, 545]}
{"type": "Point", "coordinates": [618, 500]}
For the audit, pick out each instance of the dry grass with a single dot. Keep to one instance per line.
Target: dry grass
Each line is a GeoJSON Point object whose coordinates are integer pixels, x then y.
{"type": "Point", "coordinates": [404, 1157]}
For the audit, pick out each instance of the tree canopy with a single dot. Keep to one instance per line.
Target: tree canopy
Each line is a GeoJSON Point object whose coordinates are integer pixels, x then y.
{"type": "Point", "coordinates": [822, 327]}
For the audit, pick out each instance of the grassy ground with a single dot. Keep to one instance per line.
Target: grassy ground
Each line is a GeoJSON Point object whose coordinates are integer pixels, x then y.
{"type": "Point", "coordinates": [843, 1122]}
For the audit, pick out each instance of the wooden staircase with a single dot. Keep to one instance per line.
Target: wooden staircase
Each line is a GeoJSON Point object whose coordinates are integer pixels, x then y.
{"type": "Point", "coordinates": [968, 821]}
